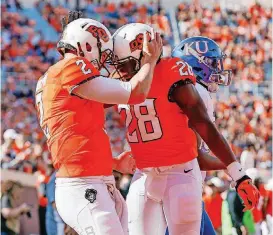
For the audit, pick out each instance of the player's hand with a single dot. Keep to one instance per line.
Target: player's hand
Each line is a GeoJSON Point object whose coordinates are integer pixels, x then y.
{"type": "Point", "coordinates": [151, 49]}
{"type": "Point", "coordinates": [125, 163]}
{"type": "Point", "coordinates": [248, 192]}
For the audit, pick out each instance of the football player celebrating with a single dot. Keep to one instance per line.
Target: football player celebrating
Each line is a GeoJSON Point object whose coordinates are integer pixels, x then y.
{"type": "Point", "coordinates": [167, 186]}
{"type": "Point", "coordinates": [69, 100]}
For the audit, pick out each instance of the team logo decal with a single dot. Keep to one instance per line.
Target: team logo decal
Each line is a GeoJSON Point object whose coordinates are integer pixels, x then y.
{"type": "Point", "coordinates": [137, 43]}
{"type": "Point", "coordinates": [98, 32]}
{"type": "Point", "coordinates": [91, 195]}
{"type": "Point", "coordinates": [200, 46]}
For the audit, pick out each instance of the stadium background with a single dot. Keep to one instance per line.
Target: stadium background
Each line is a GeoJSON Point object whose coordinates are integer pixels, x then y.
{"type": "Point", "coordinates": [30, 30]}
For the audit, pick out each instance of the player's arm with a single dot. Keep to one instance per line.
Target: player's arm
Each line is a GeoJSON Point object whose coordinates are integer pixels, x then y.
{"type": "Point", "coordinates": [112, 91]}
{"type": "Point", "coordinates": [151, 52]}
{"type": "Point", "coordinates": [208, 162]}
{"type": "Point", "coordinates": [187, 98]}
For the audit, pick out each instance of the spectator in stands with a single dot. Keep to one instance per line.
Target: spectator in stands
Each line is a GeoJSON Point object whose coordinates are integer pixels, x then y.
{"type": "Point", "coordinates": [213, 202]}
{"type": "Point", "coordinates": [9, 136]}
{"type": "Point", "coordinates": [236, 211]}
{"type": "Point", "coordinates": [267, 207]}
{"type": "Point", "coordinates": [10, 213]}
{"type": "Point", "coordinates": [54, 223]}
{"type": "Point", "coordinates": [248, 157]}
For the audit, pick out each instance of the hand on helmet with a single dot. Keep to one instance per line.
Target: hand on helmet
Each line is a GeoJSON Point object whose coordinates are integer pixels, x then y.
{"type": "Point", "coordinates": [72, 15]}
{"type": "Point", "coordinates": [151, 49]}
{"type": "Point", "coordinates": [248, 192]}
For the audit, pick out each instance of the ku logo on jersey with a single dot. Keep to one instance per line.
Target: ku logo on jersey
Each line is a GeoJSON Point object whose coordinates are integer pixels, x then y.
{"type": "Point", "coordinates": [200, 46]}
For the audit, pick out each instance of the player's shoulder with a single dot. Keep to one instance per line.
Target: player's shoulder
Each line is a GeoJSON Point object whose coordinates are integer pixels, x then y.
{"type": "Point", "coordinates": [168, 62]}
{"type": "Point", "coordinates": [165, 65]}
{"type": "Point", "coordinates": [49, 77]}
{"type": "Point", "coordinates": [176, 69]}
{"type": "Point", "coordinates": [76, 69]}
{"type": "Point", "coordinates": [75, 63]}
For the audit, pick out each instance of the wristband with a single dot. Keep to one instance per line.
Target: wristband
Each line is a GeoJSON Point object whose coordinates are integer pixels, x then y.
{"type": "Point", "coordinates": [235, 170]}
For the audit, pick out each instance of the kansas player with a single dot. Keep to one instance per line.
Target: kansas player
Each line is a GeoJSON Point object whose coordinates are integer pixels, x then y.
{"type": "Point", "coordinates": [167, 187]}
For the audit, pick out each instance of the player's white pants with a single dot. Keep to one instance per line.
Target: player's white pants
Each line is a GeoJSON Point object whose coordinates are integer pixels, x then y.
{"type": "Point", "coordinates": [92, 205]}
{"type": "Point", "coordinates": [166, 195]}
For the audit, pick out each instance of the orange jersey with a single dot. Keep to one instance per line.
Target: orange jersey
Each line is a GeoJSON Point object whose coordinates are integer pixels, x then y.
{"type": "Point", "coordinates": [158, 131]}
{"type": "Point", "coordinates": [74, 126]}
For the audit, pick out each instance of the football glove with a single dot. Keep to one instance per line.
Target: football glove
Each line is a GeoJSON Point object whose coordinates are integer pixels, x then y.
{"type": "Point", "coordinates": [72, 15]}
{"type": "Point", "coordinates": [248, 192]}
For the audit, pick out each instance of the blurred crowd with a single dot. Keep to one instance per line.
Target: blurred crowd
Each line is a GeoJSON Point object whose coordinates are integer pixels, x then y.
{"type": "Point", "coordinates": [112, 15]}
{"type": "Point", "coordinates": [245, 36]}
{"type": "Point", "coordinates": [243, 118]}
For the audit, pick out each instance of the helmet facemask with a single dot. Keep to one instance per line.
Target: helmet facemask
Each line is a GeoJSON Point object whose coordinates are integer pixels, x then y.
{"type": "Point", "coordinates": [219, 75]}
{"type": "Point", "coordinates": [212, 66]}
{"type": "Point", "coordinates": [126, 68]}
{"type": "Point", "coordinates": [105, 59]}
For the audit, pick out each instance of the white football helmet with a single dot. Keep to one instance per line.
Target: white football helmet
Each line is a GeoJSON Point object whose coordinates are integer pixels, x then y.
{"type": "Point", "coordinates": [89, 39]}
{"type": "Point", "coordinates": [128, 44]}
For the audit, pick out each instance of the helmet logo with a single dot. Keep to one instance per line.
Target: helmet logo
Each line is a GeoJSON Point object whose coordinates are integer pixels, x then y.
{"type": "Point", "coordinates": [137, 43]}
{"type": "Point", "coordinates": [98, 32]}
{"type": "Point", "coordinates": [201, 49]}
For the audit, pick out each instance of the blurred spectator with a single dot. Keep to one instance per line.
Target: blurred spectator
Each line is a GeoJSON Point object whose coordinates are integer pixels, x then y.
{"type": "Point", "coordinates": [236, 212]}
{"type": "Point", "coordinates": [267, 207]}
{"type": "Point", "coordinates": [10, 212]}
{"type": "Point", "coordinates": [9, 137]}
{"type": "Point", "coordinates": [213, 202]}
{"type": "Point", "coordinates": [42, 182]}
{"type": "Point", "coordinates": [54, 223]}
{"type": "Point", "coordinates": [247, 157]}
{"type": "Point", "coordinates": [258, 212]}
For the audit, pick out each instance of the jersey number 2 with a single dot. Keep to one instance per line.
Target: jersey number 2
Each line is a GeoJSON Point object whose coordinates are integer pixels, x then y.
{"type": "Point", "coordinates": [78, 62]}
{"type": "Point", "coordinates": [142, 119]}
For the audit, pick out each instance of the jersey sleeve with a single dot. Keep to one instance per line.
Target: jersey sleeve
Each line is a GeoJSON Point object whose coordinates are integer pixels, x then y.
{"type": "Point", "coordinates": [77, 71]}
{"type": "Point", "coordinates": [179, 74]}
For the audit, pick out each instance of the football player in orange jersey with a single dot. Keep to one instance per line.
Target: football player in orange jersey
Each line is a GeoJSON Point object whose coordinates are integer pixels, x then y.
{"type": "Point", "coordinates": [69, 99]}
{"type": "Point", "coordinates": [167, 186]}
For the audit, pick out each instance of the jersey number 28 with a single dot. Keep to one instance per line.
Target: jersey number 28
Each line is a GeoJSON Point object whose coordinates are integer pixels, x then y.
{"type": "Point", "coordinates": [149, 117]}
